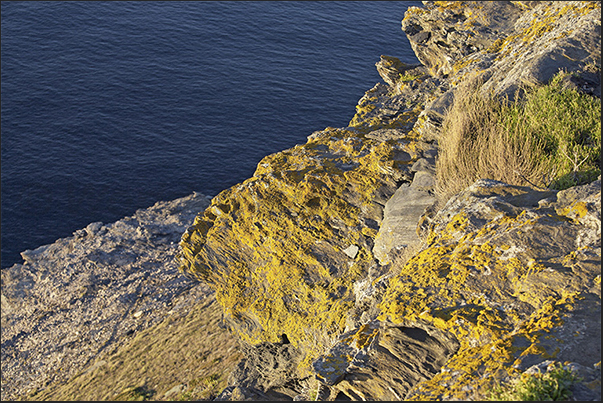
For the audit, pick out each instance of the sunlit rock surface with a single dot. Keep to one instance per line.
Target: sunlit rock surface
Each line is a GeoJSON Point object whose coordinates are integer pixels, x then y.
{"type": "Point", "coordinates": [335, 253]}
{"type": "Point", "coordinates": [332, 265]}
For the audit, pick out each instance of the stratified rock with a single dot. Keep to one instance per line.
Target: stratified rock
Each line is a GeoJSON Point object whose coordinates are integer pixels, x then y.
{"type": "Point", "coordinates": [397, 105]}
{"type": "Point", "coordinates": [391, 69]}
{"type": "Point", "coordinates": [268, 370]}
{"type": "Point", "coordinates": [514, 274]}
{"type": "Point", "coordinates": [382, 362]}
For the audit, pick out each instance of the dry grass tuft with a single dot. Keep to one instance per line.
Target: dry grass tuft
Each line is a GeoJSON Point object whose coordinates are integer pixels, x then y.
{"type": "Point", "coordinates": [549, 137]}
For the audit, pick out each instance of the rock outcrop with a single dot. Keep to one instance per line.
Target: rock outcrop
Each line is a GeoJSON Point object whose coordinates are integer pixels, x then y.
{"type": "Point", "coordinates": [509, 42]}
{"type": "Point", "coordinates": [336, 255]}
{"type": "Point", "coordinates": [335, 266]}
{"type": "Point", "coordinates": [76, 304]}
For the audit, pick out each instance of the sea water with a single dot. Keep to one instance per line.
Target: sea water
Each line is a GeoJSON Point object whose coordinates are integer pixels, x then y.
{"type": "Point", "coordinates": [108, 107]}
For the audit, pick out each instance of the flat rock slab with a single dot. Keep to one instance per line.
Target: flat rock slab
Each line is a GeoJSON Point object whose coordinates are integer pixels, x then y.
{"type": "Point", "coordinates": [401, 215]}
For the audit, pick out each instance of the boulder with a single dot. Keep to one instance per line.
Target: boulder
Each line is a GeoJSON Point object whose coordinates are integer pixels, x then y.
{"type": "Point", "coordinates": [284, 249]}
{"type": "Point", "coordinates": [400, 218]}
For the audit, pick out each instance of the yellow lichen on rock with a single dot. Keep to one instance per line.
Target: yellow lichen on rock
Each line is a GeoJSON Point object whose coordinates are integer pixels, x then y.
{"type": "Point", "coordinates": [490, 285]}
{"type": "Point", "coordinates": [277, 247]}
{"type": "Point", "coordinates": [503, 272]}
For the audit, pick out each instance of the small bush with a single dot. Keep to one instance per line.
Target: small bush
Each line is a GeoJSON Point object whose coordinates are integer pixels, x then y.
{"type": "Point", "coordinates": [549, 137]}
{"type": "Point", "coordinates": [552, 385]}
{"type": "Point", "coordinates": [407, 76]}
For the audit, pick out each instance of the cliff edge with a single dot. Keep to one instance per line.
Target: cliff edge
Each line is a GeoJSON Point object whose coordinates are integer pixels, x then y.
{"type": "Point", "coordinates": [339, 266]}
{"type": "Point", "coordinates": [402, 257]}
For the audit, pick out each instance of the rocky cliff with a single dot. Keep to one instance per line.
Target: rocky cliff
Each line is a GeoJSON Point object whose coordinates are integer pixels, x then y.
{"type": "Point", "coordinates": [337, 267]}
{"type": "Point", "coordinates": [105, 315]}
{"type": "Point", "coordinates": [345, 279]}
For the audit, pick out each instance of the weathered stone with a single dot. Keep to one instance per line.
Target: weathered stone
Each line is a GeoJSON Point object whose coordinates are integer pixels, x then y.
{"type": "Point", "coordinates": [442, 33]}
{"type": "Point", "coordinates": [84, 297]}
{"type": "Point", "coordinates": [269, 369]}
{"type": "Point", "coordinates": [394, 362]}
{"type": "Point", "coordinates": [277, 247]}
{"type": "Point", "coordinates": [400, 219]}
{"type": "Point", "coordinates": [351, 349]}
{"type": "Point", "coordinates": [351, 251]}
{"type": "Point", "coordinates": [391, 68]}
{"type": "Point", "coordinates": [508, 276]}
{"type": "Point", "coordinates": [423, 180]}
{"type": "Point", "coordinates": [423, 164]}
{"type": "Point", "coordinates": [398, 104]}
{"type": "Point", "coordinates": [404, 209]}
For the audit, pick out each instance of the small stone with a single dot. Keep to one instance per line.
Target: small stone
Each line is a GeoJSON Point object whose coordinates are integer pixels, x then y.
{"type": "Point", "coordinates": [93, 228]}
{"type": "Point", "coordinates": [351, 251]}
{"type": "Point", "coordinates": [175, 390]}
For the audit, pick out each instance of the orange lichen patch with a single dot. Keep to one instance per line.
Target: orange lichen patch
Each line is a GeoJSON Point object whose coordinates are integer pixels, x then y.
{"type": "Point", "coordinates": [575, 211]}
{"type": "Point", "coordinates": [363, 337]}
{"type": "Point", "coordinates": [492, 340]}
{"type": "Point", "coordinates": [449, 5]}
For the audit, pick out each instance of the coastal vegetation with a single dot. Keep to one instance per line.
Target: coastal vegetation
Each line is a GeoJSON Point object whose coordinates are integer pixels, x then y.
{"type": "Point", "coordinates": [549, 136]}
{"type": "Point", "coordinates": [552, 385]}
{"type": "Point", "coordinates": [185, 357]}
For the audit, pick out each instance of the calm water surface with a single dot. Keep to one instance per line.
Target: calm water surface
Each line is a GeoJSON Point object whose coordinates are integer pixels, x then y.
{"type": "Point", "coordinates": [108, 107]}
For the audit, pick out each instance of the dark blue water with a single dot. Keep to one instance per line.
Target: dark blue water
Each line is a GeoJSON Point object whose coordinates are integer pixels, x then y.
{"type": "Point", "coordinates": [108, 107]}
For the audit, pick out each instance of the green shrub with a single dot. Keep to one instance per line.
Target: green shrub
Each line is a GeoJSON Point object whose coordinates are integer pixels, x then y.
{"type": "Point", "coordinates": [568, 123]}
{"type": "Point", "coordinates": [552, 385]}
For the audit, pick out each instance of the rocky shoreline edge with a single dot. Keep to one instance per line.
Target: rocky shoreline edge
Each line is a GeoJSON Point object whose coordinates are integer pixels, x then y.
{"type": "Point", "coordinates": [79, 300]}
{"type": "Point", "coordinates": [393, 298]}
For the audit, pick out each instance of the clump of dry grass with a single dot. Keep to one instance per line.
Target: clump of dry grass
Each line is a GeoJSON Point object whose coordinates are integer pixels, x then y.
{"type": "Point", "coordinates": [548, 137]}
